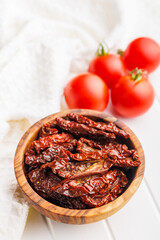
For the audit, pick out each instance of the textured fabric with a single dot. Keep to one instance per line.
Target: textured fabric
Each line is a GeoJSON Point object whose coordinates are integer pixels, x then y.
{"type": "Point", "coordinates": [44, 43]}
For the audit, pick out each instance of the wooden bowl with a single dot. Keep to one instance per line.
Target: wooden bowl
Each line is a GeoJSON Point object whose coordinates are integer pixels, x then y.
{"type": "Point", "coordinates": [73, 216]}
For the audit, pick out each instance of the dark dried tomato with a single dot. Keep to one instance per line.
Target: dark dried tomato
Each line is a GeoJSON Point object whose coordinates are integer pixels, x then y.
{"type": "Point", "coordinates": [108, 127]}
{"type": "Point", "coordinates": [91, 185]}
{"type": "Point", "coordinates": [48, 154]}
{"type": "Point", "coordinates": [48, 129]}
{"type": "Point", "coordinates": [74, 170]}
{"type": "Point", "coordinates": [81, 130]}
{"type": "Point", "coordinates": [43, 181]}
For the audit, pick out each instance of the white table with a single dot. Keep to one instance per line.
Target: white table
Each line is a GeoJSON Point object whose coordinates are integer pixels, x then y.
{"type": "Point", "coordinates": [140, 218]}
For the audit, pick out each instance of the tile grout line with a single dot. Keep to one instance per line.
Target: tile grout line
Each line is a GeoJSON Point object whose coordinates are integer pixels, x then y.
{"type": "Point", "coordinates": [108, 229]}
{"type": "Point", "coordinates": [53, 236]}
{"type": "Point", "coordinates": [51, 228]}
{"type": "Point", "coordinates": [47, 221]}
{"type": "Point", "coordinates": [152, 196]}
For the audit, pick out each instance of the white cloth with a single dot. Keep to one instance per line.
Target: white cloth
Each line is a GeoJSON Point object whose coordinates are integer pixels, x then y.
{"type": "Point", "coordinates": [43, 43]}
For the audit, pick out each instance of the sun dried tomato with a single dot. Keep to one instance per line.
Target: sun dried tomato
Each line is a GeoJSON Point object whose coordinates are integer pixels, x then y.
{"type": "Point", "coordinates": [48, 129]}
{"type": "Point", "coordinates": [48, 154]}
{"type": "Point", "coordinates": [108, 127]}
{"type": "Point", "coordinates": [81, 130]}
{"type": "Point", "coordinates": [91, 185]}
{"type": "Point", "coordinates": [43, 181]}
{"type": "Point", "coordinates": [78, 169]}
{"type": "Point", "coordinates": [119, 154]}
{"type": "Point", "coordinates": [49, 141]}
{"type": "Point", "coordinates": [110, 195]}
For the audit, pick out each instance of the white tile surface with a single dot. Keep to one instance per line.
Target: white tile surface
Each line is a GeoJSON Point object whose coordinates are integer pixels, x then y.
{"type": "Point", "coordinates": [138, 219]}
{"type": "Point", "coordinates": [92, 231]}
{"type": "Point", "coordinates": [36, 229]}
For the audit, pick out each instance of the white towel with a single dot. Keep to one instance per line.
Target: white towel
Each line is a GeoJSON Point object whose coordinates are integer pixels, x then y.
{"type": "Point", "coordinates": [44, 43]}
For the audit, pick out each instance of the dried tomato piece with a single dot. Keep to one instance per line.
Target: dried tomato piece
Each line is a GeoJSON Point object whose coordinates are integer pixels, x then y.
{"type": "Point", "coordinates": [67, 202]}
{"type": "Point", "coordinates": [74, 170]}
{"type": "Point", "coordinates": [110, 194]}
{"type": "Point", "coordinates": [99, 200]}
{"type": "Point", "coordinates": [89, 156]}
{"type": "Point", "coordinates": [122, 150]}
{"type": "Point", "coordinates": [109, 127]}
{"type": "Point", "coordinates": [48, 154]}
{"type": "Point", "coordinates": [81, 130]}
{"type": "Point", "coordinates": [85, 145]}
{"type": "Point", "coordinates": [127, 163]}
{"type": "Point", "coordinates": [113, 151]}
{"type": "Point", "coordinates": [60, 161]}
{"type": "Point", "coordinates": [43, 181]}
{"type": "Point", "coordinates": [47, 129]}
{"type": "Point", "coordinates": [49, 141]}
{"type": "Point", "coordinates": [89, 150]}
{"type": "Point", "coordinates": [90, 185]}
{"type": "Point", "coordinates": [33, 160]}
{"type": "Point", "coordinates": [110, 155]}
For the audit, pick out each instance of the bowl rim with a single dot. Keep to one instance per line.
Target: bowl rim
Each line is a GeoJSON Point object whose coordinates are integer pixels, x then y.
{"type": "Point", "coordinates": [105, 210]}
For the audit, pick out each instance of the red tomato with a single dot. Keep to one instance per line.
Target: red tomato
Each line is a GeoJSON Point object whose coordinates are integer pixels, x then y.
{"type": "Point", "coordinates": [142, 53]}
{"type": "Point", "coordinates": [87, 91]}
{"type": "Point", "coordinates": [109, 67]}
{"type": "Point", "coordinates": [132, 96]}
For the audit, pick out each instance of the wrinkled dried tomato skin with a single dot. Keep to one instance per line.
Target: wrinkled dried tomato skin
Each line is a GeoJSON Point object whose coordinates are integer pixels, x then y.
{"type": "Point", "coordinates": [47, 130]}
{"type": "Point", "coordinates": [43, 182]}
{"type": "Point", "coordinates": [74, 170]}
{"type": "Point", "coordinates": [115, 188]}
{"type": "Point", "coordinates": [48, 154]}
{"type": "Point", "coordinates": [119, 154]}
{"type": "Point", "coordinates": [79, 163]}
{"type": "Point", "coordinates": [92, 185]}
{"type": "Point", "coordinates": [83, 130]}
{"type": "Point", "coordinates": [49, 141]}
{"type": "Point", "coordinates": [110, 127]}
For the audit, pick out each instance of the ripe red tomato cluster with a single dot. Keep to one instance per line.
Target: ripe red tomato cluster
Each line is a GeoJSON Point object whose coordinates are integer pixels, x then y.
{"type": "Point", "coordinates": [131, 92]}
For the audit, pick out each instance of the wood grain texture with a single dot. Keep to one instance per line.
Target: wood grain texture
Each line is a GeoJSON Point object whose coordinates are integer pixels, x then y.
{"type": "Point", "coordinates": [68, 215]}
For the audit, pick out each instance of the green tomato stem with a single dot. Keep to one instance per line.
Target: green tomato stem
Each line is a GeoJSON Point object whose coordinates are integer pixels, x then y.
{"type": "Point", "coordinates": [137, 74]}
{"type": "Point", "coordinates": [102, 50]}
{"type": "Point", "coordinates": [120, 52]}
